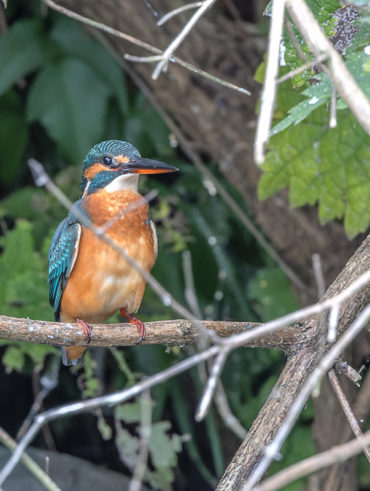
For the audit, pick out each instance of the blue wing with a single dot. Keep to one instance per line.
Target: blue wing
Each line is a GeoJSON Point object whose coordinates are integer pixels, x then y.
{"type": "Point", "coordinates": [62, 256]}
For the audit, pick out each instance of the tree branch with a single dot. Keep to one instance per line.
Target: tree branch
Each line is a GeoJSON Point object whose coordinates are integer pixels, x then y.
{"type": "Point", "coordinates": [315, 463]}
{"type": "Point", "coordinates": [173, 332]}
{"type": "Point", "coordinates": [297, 370]}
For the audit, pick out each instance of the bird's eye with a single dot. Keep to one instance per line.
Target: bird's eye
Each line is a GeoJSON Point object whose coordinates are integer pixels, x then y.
{"type": "Point", "coordinates": [107, 160]}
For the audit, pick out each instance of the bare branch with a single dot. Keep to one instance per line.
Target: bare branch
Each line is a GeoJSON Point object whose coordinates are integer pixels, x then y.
{"type": "Point", "coordinates": [227, 416]}
{"type": "Point", "coordinates": [106, 400]}
{"type": "Point", "coordinates": [269, 85]}
{"type": "Point", "coordinates": [338, 73]}
{"type": "Point", "coordinates": [211, 385]}
{"type": "Point", "coordinates": [178, 11]}
{"type": "Point", "coordinates": [319, 275]}
{"type": "Point", "coordinates": [142, 44]}
{"type": "Point", "coordinates": [345, 369]}
{"type": "Point", "coordinates": [347, 410]}
{"type": "Point", "coordinates": [302, 68]}
{"type": "Point", "coordinates": [172, 47]}
{"type": "Point", "coordinates": [325, 364]}
{"type": "Point", "coordinates": [145, 431]}
{"type": "Point", "coordinates": [333, 109]}
{"type": "Point", "coordinates": [31, 465]}
{"type": "Point", "coordinates": [307, 466]}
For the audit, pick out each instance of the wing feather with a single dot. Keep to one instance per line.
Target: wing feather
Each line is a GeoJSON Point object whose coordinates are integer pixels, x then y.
{"type": "Point", "coordinates": [62, 257]}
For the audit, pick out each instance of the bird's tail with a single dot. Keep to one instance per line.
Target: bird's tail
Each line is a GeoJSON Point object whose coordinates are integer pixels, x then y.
{"type": "Point", "coordinates": [72, 355]}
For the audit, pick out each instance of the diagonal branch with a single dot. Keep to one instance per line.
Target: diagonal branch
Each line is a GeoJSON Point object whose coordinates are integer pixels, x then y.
{"type": "Point", "coordinates": [337, 71]}
{"type": "Point", "coordinates": [347, 410]}
{"type": "Point", "coordinates": [172, 47]}
{"type": "Point", "coordinates": [314, 463]}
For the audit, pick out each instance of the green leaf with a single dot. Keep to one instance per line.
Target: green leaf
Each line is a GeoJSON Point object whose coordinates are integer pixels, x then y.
{"type": "Point", "coordinates": [22, 50]}
{"type": "Point", "coordinates": [163, 447]}
{"type": "Point", "coordinates": [75, 42]}
{"type": "Point", "coordinates": [319, 93]}
{"type": "Point", "coordinates": [327, 166]}
{"type": "Point", "coordinates": [13, 359]}
{"type": "Point", "coordinates": [71, 103]}
{"type": "Point", "coordinates": [23, 289]}
{"type": "Point", "coordinates": [13, 138]}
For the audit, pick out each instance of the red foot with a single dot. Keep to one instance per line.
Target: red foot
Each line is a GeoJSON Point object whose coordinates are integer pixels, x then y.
{"type": "Point", "coordinates": [86, 329]}
{"type": "Point", "coordinates": [138, 323]}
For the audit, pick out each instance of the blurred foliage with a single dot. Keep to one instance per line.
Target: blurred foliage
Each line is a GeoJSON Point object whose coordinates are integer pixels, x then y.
{"type": "Point", "coordinates": [330, 167]}
{"type": "Point", "coordinates": [60, 94]}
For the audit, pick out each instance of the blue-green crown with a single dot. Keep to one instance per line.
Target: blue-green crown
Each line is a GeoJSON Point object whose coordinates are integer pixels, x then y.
{"type": "Point", "coordinates": [110, 148]}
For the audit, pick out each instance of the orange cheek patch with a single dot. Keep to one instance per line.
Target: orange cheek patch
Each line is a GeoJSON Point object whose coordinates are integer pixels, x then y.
{"type": "Point", "coordinates": [122, 159]}
{"type": "Point", "coordinates": [94, 169]}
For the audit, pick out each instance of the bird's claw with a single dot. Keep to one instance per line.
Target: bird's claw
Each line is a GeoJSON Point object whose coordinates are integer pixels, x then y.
{"type": "Point", "coordinates": [138, 323]}
{"type": "Point", "coordinates": [86, 329]}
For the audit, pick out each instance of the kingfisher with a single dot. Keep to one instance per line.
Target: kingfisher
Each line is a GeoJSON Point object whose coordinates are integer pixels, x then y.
{"type": "Point", "coordinates": [88, 280]}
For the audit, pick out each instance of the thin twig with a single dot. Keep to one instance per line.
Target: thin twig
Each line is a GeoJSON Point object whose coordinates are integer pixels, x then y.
{"type": "Point", "coordinates": [225, 413]}
{"type": "Point", "coordinates": [333, 323]}
{"type": "Point", "coordinates": [106, 400]}
{"type": "Point", "coordinates": [48, 381]}
{"type": "Point", "coordinates": [347, 410]}
{"type": "Point", "coordinates": [211, 385]}
{"type": "Point", "coordinates": [333, 109]}
{"type": "Point", "coordinates": [338, 73]}
{"type": "Point", "coordinates": [343, 368]}
{"type": "Point", "coordinates": [325, 364]}
{"type": "Point", "coordinates": [144, 45]}
{"type": "Point", "coordinates": [318, 274]}
{"type": "Point", "coordinates": [172, 47]}
{"type": "Point", "coordinates": [293, 39]}
{"type": "Point", "coordinates": [145, 430]}
{"type": "Point", "coordinates": [340, 453]}
{"type": "Point", "coordinates": [178, 11]}
{"type": "Point", "coordinates": [31, 465]}
{"type": "Point", "coordinates": [220, 399]}
{"type": "Point", "coordinates": [269, 85]}
{"type": "Point", "coordinates": [302, 68]}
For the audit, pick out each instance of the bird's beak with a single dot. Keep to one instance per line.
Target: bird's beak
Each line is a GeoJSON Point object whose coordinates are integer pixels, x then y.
{"type": "Point", "coordinates": [148, 166]}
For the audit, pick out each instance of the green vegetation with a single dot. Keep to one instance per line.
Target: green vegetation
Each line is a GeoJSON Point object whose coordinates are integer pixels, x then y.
{"type": "Point", "coordinates": [62, 93]}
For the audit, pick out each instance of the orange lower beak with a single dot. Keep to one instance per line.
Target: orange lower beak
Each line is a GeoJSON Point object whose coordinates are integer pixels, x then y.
{"type": "Point", "coordinates": [148, 166]}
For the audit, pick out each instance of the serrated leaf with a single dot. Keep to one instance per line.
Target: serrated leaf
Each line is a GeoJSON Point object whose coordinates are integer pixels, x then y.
{"type": "Point", "coordinates": [13, 138]}
{"type": "Point", "coordinates": [319, 93]}
{"type": "Point", "coordinates": [22, 50]}
{"type": "Point", "coordinates": [327, 166]}
{"type": "Point", "coordinates": [75, 42]}
{"type": "Point", "coordinates": [71, 103]}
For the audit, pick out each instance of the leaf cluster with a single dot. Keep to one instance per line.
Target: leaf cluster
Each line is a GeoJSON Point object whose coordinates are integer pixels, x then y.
{"type": "Point", "coordinates": [320, 165]}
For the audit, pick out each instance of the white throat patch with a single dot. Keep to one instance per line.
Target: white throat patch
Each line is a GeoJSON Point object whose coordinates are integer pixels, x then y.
{"type": "Point", "coordinates": [123, 182]}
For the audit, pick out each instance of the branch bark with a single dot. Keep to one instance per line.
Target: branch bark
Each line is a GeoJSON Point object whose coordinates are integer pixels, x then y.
{"type": "Point", "coordinates": [178, 332]}
{"type": "Point", "coordinates": [298, 367]}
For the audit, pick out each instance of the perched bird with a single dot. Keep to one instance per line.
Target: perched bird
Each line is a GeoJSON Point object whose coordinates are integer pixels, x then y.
{"type": "Point", "coordinates": [88, 280]}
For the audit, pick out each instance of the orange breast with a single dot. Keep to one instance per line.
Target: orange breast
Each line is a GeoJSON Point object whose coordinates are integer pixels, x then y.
{"type": "Point", "coordinates": [101, 281]}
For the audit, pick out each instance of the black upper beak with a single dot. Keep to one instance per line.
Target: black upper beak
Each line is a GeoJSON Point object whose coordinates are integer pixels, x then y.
{"type": "Point", "coordinates": [148, 166]}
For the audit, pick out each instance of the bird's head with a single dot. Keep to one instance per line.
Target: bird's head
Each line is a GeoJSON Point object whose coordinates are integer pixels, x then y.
{"type": "Point", "coordinates": [117, 165]}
